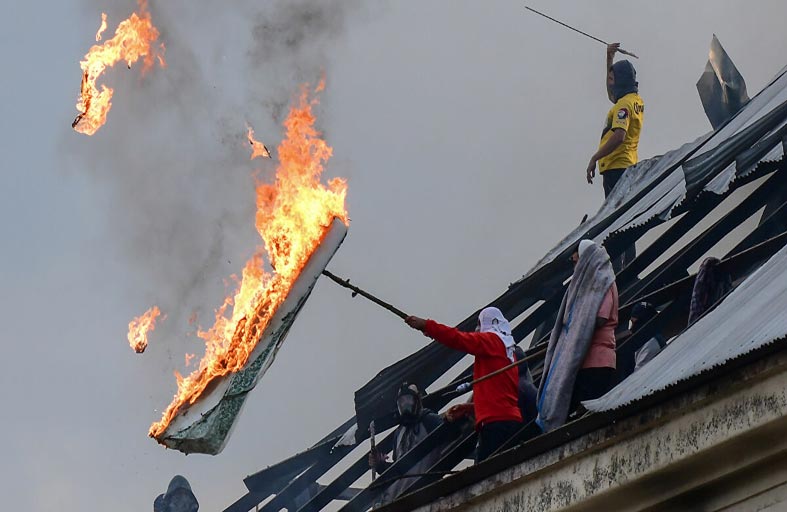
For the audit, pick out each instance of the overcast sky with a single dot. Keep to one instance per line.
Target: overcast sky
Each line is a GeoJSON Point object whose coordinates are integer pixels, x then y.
{"type": "Point", "coordinates": [463, 127]}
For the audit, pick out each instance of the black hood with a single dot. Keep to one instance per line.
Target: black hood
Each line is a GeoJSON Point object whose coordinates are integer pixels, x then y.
{"type": "Point", "coordinates": [625, 79]}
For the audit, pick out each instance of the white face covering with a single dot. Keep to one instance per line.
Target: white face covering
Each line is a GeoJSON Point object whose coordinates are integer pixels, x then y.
{"type": "Point", "coordinates": [492, 320]}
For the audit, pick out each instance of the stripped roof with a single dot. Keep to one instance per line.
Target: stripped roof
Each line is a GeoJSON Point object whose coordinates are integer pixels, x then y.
{"type": "Point", "coordinates": [692, 180]}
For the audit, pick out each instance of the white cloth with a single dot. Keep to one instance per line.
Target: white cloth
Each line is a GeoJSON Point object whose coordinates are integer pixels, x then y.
{"type": "Point", "coordinates": [584, 245]}
{"type": "Point", "coordinates": [492, 320]}
{"type": "Point", "coordinates": [348, 439]}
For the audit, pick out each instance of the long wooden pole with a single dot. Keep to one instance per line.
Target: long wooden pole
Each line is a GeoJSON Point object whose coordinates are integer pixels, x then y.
{"type": "Point", "coordinates": [357, 291]}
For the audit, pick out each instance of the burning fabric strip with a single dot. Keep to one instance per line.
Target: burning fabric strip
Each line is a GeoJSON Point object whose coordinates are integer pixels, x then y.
{"type": "Point", "coordinates": [140, 327]}
{"type": "Point", "coordinates": [302, 223]}
{"type": "Point", "coordinates": [133, 40]}
{"type": "Point", "coordinates": [258, 149]}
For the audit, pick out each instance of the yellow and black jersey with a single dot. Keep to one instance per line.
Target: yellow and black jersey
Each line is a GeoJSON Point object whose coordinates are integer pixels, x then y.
{"type": "Point", "coordinates": [627, 115]}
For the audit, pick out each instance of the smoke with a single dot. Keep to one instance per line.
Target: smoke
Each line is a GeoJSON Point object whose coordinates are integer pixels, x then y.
{"type": "Point", "coordinates": [173, 159]}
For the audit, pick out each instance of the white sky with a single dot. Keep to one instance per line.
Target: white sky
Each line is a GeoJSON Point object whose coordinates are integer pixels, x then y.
{"type": "Point", "coordinates": [464, 129]}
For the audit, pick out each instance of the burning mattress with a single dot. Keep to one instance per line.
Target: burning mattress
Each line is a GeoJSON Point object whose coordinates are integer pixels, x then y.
{"type": "Point", "coordinates": [205, 426]}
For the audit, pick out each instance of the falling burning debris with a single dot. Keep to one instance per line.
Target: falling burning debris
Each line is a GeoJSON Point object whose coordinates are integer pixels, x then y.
{"type": "Point", "coordinates": [257, 147]}
{"type": "Point", "coordinates": [133, 40]}
{"type": "Point", "coordinates": [103, 26]}
{"type": "Point", "coordinates": [293, 216]}
{"type": "Point", "coordinates": [140, 327]}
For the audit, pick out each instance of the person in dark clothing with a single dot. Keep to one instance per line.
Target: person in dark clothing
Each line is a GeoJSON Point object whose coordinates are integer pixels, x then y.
{"type": "Point", "coordinates": [415, 423]}
{"type": "Point", "coordinates": [178, 497]}
{"type": "Point", "coordinates": [712, 283]}
{"type": "Point", "coordinates": [527, 390]}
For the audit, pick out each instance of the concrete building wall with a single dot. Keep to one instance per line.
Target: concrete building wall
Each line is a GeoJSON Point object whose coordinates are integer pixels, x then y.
{"type": "Point", "coordinates": [722, 447]}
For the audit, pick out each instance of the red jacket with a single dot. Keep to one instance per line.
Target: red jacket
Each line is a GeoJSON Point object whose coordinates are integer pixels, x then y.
{"type": "Point", "coordinates": [494, 399]}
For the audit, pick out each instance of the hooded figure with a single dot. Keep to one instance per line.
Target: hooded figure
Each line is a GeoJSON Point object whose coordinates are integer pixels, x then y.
{"type": "Point", "coordinates": [415, 424]}
{"type": "Point", "coordinates": [570, 341]}
{"type": "Point", "coordinates": [625, 77]}
{"type": "Point", "coordinates": [178, 497]}
{"type": "Point", "coordinates": [712, 283]}
{"type": "Point", "coordinates": [618, 147]}
{"type": "Point", "coordinates": [492, 320]}
{"type": "Point", "coordinates": [495, 400]}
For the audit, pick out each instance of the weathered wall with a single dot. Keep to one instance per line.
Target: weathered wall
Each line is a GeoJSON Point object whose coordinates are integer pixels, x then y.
{"type": "Point", "coordinates": [721, 447]}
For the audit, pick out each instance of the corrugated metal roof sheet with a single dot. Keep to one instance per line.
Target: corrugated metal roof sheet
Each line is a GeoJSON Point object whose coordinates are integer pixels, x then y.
{"type": "Point", "coordinates": [750, 317]}
{"type": "Point", "coordinates": [721, 183]}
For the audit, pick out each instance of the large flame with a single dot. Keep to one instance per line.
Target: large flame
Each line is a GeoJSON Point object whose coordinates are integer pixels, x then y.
{"type": "Point", "coordinates": [140, 327]}
{"type": "Point", "coordinates": [133, 40]}
{"type": "Point", "coordinates": [293, 215]}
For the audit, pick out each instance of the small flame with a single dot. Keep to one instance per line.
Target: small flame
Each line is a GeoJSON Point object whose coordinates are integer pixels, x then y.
{"type": "Point", "coordinates": [132, 41]}
{"type": "Point", "coordinates": [293, 214]}
{"type": "Point", "coordinates": [258, 149]}
{"type": "Point", "coordinates": [140, 327]}
{"type": "Point", "coordinates": [103, 26]}
{"type": "Point", "coordinates": [188, 358]}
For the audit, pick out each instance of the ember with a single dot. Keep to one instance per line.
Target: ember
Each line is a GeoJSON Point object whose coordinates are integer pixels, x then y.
{"type": "Point", "coordinates": [133, 40]}
{"type": "Point", "coordinates": [257, 147]}
{"type": "Point", "coordinates": [140, 327]}
{"type": "Point", "coordinates": [294, 215]}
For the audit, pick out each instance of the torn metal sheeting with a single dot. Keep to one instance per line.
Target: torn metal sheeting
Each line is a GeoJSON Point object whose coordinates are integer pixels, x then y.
{"type": "Point", "coordinates": [721, 87]}
{"type": "Point", "coordinates": [205, 426]}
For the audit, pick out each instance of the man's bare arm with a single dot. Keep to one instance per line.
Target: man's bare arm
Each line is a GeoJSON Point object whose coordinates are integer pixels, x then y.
{"type": "Point", "coordinates": [611, 50]}
{"type": "Point", "coordinates": [615, 140]}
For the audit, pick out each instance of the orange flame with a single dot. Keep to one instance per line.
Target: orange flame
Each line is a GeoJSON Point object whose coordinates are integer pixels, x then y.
{"type": "Point", "coordinates": [257, 147]}
{"type": "Point", "coordinates": [139, 328]}
{"type": "Point", "coordinates": [293, 214]}
{"type": "Point", "coordinates": [103, 26]}
{"type": "Point", "coordinates": [132, 41]}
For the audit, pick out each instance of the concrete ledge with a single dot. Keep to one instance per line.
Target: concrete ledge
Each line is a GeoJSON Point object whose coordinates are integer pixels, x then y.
{"type": "Point", "coordinates": [654, 457]}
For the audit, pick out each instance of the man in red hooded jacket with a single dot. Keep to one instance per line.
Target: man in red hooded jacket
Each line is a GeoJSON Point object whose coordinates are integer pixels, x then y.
{"type": "Point", "coordinates": [495, 400]}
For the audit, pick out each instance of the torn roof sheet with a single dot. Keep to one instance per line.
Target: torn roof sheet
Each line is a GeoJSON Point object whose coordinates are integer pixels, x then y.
{"type": "Point", "coordinates": [751, 317]}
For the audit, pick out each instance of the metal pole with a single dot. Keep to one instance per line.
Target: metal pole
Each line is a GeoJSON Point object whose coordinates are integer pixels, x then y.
{"type": "Point", "coordinates": [373, 443]}
{"type": "Point", "coordinates": [621, 50]}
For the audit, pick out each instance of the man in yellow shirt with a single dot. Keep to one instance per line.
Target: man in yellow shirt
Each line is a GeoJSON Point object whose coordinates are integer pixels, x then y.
{"type": "Point", "coordinates": [620, 138]}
